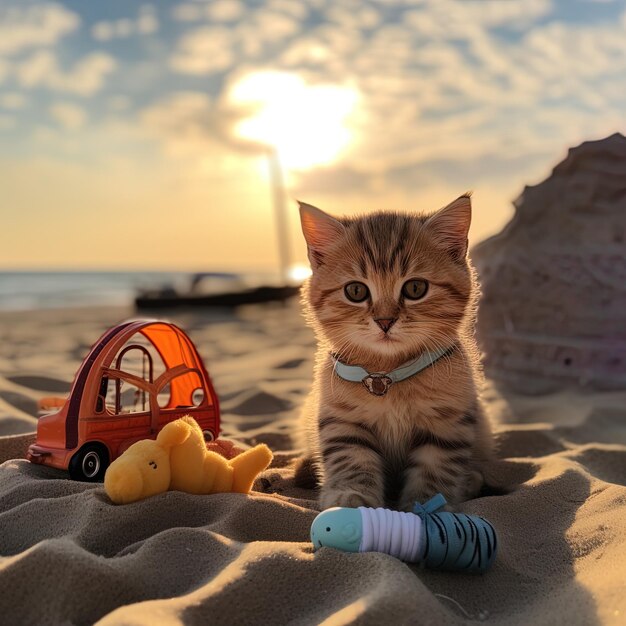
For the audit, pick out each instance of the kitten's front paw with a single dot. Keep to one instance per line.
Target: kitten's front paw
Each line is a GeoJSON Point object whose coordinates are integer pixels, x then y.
{"type": "Point", "coordinates": [347, 498]}
{"type": "Point", "coordinates": [475, 482]}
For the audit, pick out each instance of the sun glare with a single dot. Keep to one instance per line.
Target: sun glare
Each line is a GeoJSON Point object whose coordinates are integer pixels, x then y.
{"type": "Point", "coordinates": [306, 124]}
{"type": "Point", "coordinates": [299, 272]}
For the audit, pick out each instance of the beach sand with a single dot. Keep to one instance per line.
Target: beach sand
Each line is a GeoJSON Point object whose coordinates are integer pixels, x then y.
{"type": "Point", "coordinates": [70, 556]}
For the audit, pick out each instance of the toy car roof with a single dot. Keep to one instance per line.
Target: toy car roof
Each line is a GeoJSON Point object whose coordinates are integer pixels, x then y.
{"type": "Point", "coordinates": [172, 344]}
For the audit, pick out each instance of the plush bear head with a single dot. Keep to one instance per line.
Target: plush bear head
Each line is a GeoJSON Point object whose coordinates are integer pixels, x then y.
{"type": "Point", "coordinates": [144, 469]}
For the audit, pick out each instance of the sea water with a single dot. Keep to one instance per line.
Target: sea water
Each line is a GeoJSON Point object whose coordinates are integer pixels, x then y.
{"type": "Point", "coordinates": [39, 290]}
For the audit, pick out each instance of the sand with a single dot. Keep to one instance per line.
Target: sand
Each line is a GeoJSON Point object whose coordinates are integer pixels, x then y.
{"type": "Point", "coordinates": [69, 556]}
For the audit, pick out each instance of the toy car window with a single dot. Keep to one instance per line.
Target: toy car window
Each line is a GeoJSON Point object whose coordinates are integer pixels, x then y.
{"type": "Point", "coordinates": [103, 391]}
{"type": "Point", "coordinates": [185, 391]}
{"type": "Point", "coordinates": [106, 395]}
{"type": "Point", "coordinates": [131, 399]}
{"type": "Point", "coordinates": [164, 396]}
{"type": "Point", "coordinates": [136, 359]}
{"type": "Point", "coordinates": [198, 396]}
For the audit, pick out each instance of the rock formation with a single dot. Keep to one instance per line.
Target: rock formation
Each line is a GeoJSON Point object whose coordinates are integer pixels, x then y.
{"type": "Point", "coordinates": [553, 309]}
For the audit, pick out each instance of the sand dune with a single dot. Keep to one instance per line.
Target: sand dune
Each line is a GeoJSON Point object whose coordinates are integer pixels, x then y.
{"type": "Point", "coordinates": [70, 556]}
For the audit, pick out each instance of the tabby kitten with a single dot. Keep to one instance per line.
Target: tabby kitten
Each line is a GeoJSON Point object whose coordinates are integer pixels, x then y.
{"type": "Point", "coordinates": [387, 289]}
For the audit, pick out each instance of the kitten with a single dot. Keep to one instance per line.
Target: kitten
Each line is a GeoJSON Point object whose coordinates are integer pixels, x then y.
{"type": "Point", "coordinates": [386, 289]}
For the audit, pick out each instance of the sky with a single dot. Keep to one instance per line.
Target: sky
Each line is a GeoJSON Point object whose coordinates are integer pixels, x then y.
{"type": "Point", "coordinates": [136, 135]}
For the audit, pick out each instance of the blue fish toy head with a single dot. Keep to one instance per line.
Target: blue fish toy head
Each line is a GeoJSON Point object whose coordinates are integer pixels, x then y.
{"type": "Point", "coordinates": [340, 528]}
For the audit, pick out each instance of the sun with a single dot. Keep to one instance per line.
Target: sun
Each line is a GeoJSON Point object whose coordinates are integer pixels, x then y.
{"type": "Point", "coordinates": [308, 124]}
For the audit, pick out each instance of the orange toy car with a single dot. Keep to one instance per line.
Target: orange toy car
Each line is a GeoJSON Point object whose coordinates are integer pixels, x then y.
{"type": "Point", "coordinates": [139, 376]}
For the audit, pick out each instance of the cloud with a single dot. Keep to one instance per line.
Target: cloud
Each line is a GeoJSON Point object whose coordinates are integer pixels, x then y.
{"type": "Point", "coordinates": [271, 26]}
{"type": "Point", "coordinates": [299, 10]}
{"type": "Point", "coordinates": [204, 51]}
{"type": "Point", "coordinates": [440, 81]}
{"type": "Point", "coordinates": [70, 116]}
{"type": "Point", "coordinates": [214, 11]}
{"type": "Point", "coordinates": [84, 78]}
{"type": "Point", "coordinates": [571, 53]}
{"type": "Point", "coordinates": [36, 69]}
{"type": "Point", "coordinates": [451, 18]}
{"type": "Point", "coordinates": [349, 17]}
{"type": "Point", "coordinates": [12, 101]}
{"type": "Point", "coordinates": [198, 131]}
{"type": "Point", "coordinates": [456, 81]}
{"type": "Point", "coordinates": [214, 48]}
{"type": "Point", "coordinates": [146, 23]}
{"type": "Point", "coordinates": [119, 103]}
{"type": "Point", "coordinates": [182, 121]}
{"type": "Point", "coordinates": [225, 10]}
{"type": "Point", "coordinates": [453, 83]}
{"type": "Point", "coordinates": [333, 180]}
{"type": "Point", "coordinates": [7, 122]}
{"type": "Point", "coordinates": [26, 25]}
{"type": "Point", "coordinates": [187, 12]}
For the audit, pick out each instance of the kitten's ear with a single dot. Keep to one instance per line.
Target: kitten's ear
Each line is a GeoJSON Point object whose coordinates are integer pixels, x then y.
{"type": "Point", "coordinates": [450, 226]}
{"type": "Point", "coordinates": [320, 231]}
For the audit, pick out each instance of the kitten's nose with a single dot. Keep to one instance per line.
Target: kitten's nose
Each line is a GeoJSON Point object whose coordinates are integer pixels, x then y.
{"type": "Point", "coordinates": [386, 323]}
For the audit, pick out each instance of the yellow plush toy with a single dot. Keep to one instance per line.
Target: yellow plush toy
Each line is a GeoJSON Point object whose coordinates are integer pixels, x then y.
{"type": "Point", "coordinates": [179, 460]}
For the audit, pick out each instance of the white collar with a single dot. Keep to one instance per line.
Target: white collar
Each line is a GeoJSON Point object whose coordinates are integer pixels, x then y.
{"type": "Point", "coordinates": [378, 383]}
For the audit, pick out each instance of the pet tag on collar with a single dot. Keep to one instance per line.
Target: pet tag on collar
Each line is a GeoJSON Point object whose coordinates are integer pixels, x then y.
{"type": "Point", "coordinates": [377, 384]}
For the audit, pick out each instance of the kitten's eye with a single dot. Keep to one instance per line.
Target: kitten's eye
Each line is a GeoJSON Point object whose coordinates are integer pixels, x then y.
{"type": "Point", "coordinates": [356, 292]}
{"type": "Point", "coordinates": [414, 289]}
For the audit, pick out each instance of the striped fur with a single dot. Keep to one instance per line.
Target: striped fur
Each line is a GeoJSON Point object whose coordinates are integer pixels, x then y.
{"type": "Point", "coordinates": [428, 434]}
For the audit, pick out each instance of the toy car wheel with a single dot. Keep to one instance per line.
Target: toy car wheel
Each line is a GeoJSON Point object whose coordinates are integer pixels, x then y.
{"type": "Point", "coordinates": [208, 435]}
{"type": "Point", "coordinates": [89, 464]}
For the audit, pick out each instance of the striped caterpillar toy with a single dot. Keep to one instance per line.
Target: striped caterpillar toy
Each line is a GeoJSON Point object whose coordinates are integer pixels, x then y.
{"type": "Point", "coordinates": [439, 540]}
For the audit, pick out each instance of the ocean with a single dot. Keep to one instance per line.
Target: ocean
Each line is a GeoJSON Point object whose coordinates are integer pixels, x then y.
{"type": "Point", "coordinates": [42, 290]}
{"type": "Point", "coordinates": [28, 290]}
